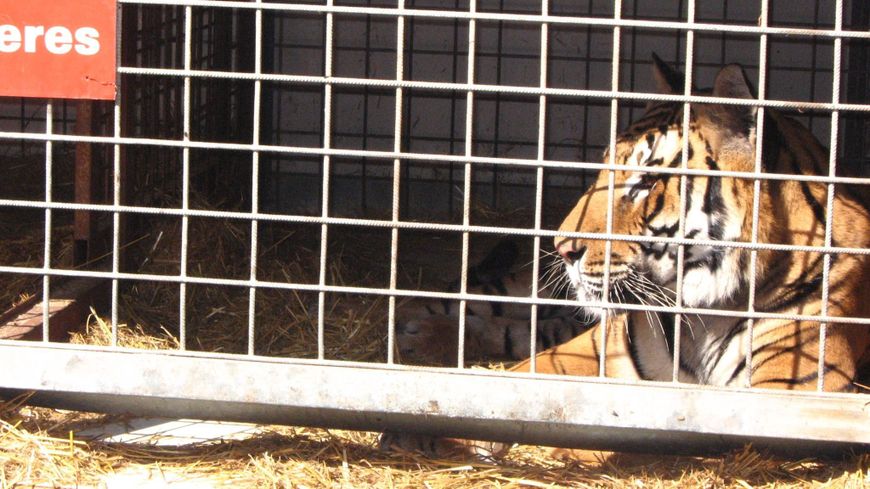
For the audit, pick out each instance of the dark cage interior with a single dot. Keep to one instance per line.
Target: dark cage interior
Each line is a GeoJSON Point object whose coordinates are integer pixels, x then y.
{"type": "Point", "coordinates": [215, 113]}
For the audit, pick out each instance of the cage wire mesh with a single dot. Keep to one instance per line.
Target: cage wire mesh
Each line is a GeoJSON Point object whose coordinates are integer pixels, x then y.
{"type": "Point", "coordinates": [284, 179]}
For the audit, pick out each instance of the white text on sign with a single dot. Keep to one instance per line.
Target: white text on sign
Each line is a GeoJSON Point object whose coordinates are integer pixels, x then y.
{"type": "Point", "coordinates": [56, 39]}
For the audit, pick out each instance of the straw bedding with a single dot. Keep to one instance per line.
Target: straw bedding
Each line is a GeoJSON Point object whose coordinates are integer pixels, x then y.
{"type": "Point", "coordinates": [38, 448]}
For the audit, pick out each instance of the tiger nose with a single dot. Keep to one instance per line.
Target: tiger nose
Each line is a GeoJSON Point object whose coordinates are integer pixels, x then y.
{"type": "Point", "coordinates": [571, 250]}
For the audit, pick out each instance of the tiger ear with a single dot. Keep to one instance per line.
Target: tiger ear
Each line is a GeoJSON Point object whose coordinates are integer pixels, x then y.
{"type": "Point", "coordinates": [668, 80]}
{"type": "Point", "coordinates": [730, 126]}
{"type": "Point", "coordinates": [731, 83]}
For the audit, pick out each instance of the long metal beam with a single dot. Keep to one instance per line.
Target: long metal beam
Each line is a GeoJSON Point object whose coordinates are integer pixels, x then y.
{"type": "Point", "coordinates": [541, 409]}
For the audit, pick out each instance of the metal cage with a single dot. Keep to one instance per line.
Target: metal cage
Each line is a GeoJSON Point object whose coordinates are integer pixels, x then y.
{"type": "Point", "coordinates": [412, 120]}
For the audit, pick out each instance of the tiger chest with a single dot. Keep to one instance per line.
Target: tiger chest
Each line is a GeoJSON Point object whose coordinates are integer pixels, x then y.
{"type": "Point", "coordinates": [712, 348]}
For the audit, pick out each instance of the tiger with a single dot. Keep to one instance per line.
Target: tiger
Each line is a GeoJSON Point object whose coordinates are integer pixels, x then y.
{"type": "Point", "coordinates": [713, 348]}
{"type": "Point", "coordinates": [494, 331]}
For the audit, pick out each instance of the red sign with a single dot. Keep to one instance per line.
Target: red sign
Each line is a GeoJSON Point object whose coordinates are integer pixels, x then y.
{"type": "Point", "coordinates": [57, 48]}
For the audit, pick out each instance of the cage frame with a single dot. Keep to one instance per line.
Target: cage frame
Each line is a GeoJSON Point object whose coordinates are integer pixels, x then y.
{"type": "Point", "coordinates": [68, 376]}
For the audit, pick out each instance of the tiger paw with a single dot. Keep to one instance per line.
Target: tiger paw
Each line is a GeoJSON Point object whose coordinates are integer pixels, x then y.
{"type": "Point", "coordinates": [427, 341]}
{"type": "Point", "coordinates": [433, 340]}
{"type": "Point", "coordinates": [436, 447]}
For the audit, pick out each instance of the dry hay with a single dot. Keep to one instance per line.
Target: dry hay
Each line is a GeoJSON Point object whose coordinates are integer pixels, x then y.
{"type": "Point", "coordinates": [23, 229]}
{"type": "Point", "coordinates": [217, 316]}
{"type": "Point", "coordinates": [38, 447]}
{"type": "Point", "coordinates": [22, 246]}
{"type": "Point", "coordinates": [98, 331]}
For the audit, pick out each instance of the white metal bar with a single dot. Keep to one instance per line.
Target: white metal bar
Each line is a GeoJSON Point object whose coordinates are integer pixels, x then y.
{"type": "Point", "coordinates": [116, 176]}
{"type": "Point", "coordinates": [486, 88]}
{"type": "Point", "coordinates": [185, 181]}
{"type": "Point", "coordinates": [397, 181]}
{"type": "Point", "coordinates": [539, 189]}
{"type": "Point", "coordinates": [829, 207]}
{"type": "Point", "coordinates": [466, 183]}
{"type": "Point", "coordinates": [606, 312]}
{"type": "Point", "coordinates": [255, 178]}
{"type": "Point", "coordinates": [328, 57]}
{"type": "Point", "coordinates": [428, 157]}
{"type": "Point", "coordinates": [427, 226]}
{"type": "Point", "coordinates": [425, 294]}
{"type": "Point", "coordinates": [46, 250]}
{"type": "Point", "coordinates": [681, 218]}
{"type": "Point", "coordinates": [522, 18]}
{"type": "Point", "coordinates": [756, 186]}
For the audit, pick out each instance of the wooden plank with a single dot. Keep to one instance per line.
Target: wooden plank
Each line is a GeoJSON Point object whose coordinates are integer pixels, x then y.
{"type": "Point", "coordinates": [68, 308]}
{"type": "Point", "coordinates": [84, 186]}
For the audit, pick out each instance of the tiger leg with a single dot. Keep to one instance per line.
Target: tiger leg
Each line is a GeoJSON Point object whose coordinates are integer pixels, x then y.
{"type": "Point", "coordinates": [579, 356]}
{"type": "Point", "coordinates": [787, 356]}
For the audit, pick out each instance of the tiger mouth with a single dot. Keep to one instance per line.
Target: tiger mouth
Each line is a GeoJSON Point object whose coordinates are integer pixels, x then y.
{"type": "Point", "coordinates": [630, 286]}
{"type": "Point", "coordinates": [593, 288]}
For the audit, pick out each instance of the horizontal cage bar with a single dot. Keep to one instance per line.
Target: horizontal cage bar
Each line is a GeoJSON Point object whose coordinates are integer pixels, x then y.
{"type": "Point", "coordinates": [504, 17]}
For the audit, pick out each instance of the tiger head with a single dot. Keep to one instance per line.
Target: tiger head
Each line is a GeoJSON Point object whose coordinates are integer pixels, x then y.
{"type": "Point", "coordinates": [720, 137]}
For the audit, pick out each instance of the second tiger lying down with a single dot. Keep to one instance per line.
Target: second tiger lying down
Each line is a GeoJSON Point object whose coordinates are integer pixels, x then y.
{"type": "Point", "coordinates": [494, 331]}
{"type": "Point", "coordinates": [785, 353]}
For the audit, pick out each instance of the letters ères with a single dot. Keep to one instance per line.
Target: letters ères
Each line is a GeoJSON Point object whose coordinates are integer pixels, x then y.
{"type": "Point", "coordinates": [58, 40]}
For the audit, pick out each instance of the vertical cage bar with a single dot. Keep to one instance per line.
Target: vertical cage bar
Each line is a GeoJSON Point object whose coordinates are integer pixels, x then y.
{"type": "Point", "coordinates": [813, 65]}
{"type": "Point", "coordinates": [185, 179]}
{"type": "Point", "coordinates": [832, 172]}
{"type": "Point", "coordinates": [46, 250]}
{"type": "Point", "coordinates": [466, 185]}
{"type": "Point", "coordinates": [454, 72]}
{"type": "Point", "coordinates": [681, 228]}
{"type": "Point", "coordinates": [397, 182]}
{"type": "Point", "coordinates": [255, 178]}
{"type": "Point", "coordinates": [324, 210]}
{"type": "Point", "coordinates": [367, 62]}
{"type": "Point", "coordinates": [756, 186]}
{"type": "Point", "coordinates": [611, 184]}
{"type": "Point", "coordinates": [587, 76]}
{"type": "Point", "coordinates": [539, 188]}
{"type": "Point", "coordinates": [497, 111]}
{"type": "Point", "coordinates": [116, 176]}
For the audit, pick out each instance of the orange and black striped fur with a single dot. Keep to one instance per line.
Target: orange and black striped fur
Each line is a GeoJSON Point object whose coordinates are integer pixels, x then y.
{"type": "Point", "coordinates": [785, 354]}
{"type": "Point", "coordinates": [427, 333]}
